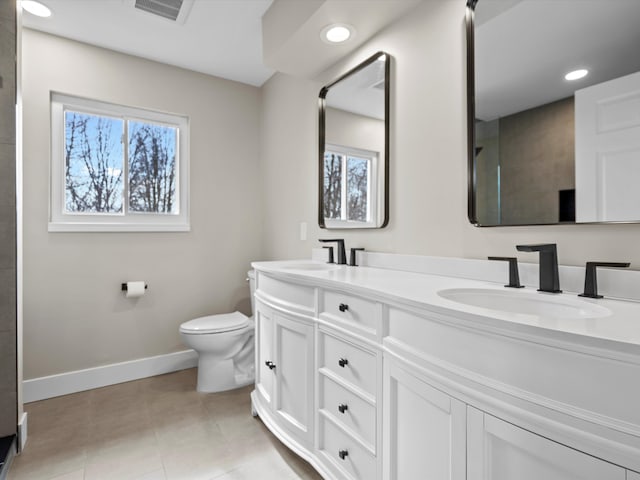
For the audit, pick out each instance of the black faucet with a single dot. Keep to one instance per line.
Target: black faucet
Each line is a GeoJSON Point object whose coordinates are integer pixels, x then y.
{"type": "Point", "coordinates": [549, 280]}
{"type": "Point", "coordinates": [342, 255]}
{"type": "Point", "coordinates": [352, 257]}
{"type": "Point", "coordinates": [330, 260]}
{"type": "Point", "coordinates": [591, 281]}
{"type": "Point", "coordinates": [514, 278]}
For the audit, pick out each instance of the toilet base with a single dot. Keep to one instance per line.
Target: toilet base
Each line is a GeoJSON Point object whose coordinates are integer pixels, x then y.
{"type": "Point", "coordinates": [215, 375]}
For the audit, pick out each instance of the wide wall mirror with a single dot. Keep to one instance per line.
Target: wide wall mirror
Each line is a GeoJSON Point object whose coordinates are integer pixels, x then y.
{"type": "Point", "coordinates": [354, 147]}
{"type": "Point", "coordinates": [554, 111]}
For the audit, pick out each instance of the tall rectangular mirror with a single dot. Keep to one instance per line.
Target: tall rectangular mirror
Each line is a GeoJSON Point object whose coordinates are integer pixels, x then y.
{"type": "Point", "coordinates": [354, 147]}
{"type": "Point", "coordinates": [547, 145]}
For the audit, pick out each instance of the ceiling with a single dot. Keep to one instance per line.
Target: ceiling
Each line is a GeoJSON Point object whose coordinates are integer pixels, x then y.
{"type": "Point", "coordinates": [523, 49]}
{"type": "Point", "coordinates": [241, 40]}
{"type": "Point", "coordinates": [218, 37]}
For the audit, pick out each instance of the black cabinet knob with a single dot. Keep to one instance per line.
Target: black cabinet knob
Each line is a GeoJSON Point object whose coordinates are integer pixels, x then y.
{"type": "Point", "coordinates": [343, 307]}
{"type": "Point", "coordinates": [343, 408]}
{"type": "Point", "coordinates": [270, 364]}
{"type": "Point", "coordinates": [343, 362]}
{"type": "Point", "coordinates": [343, 454]}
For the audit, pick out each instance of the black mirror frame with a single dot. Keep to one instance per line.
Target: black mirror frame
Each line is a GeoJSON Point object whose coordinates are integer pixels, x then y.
{"type": "Point", "coordinates": [321, 138]}
{"type": "Point", "coordinates": [471, 134]}
{"type": "Point", "coordinates": [471, 114]}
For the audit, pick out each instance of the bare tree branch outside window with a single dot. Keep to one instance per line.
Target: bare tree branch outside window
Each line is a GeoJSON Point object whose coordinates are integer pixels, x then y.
{"type": "Point", "coordinates": [346, 186]}
{"type": "Point", "coordinates": [152, 168]}
{"type": "Point", "coordinates": [332, 185]}
{"type": "Point", "coordinates": [93, 163]}
{"type": "Point", "coordinates": [357, 188]}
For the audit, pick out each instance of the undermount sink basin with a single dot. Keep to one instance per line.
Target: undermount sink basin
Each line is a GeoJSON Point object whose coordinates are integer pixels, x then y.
{"type": "Point", "coordinates": [309, 266]}
{"type": "Point", "coordinates": [527, 303]}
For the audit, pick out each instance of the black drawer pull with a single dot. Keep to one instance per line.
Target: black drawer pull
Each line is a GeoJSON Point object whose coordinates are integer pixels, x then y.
{"type": "Point", "coordinates": [343, 407]}
{"type": "Point", "coordinates": [270, 364]}
{"type": "Point", "coordinates": [343, 307]}
{"type": "Point", "coordinates": [343, 454]}
{"type": "Point", "coordinates": [343, 362]}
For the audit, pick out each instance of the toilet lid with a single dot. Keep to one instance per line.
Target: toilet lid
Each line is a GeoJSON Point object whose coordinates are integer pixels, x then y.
{"type": "Point", "coordinates": [225, 322]}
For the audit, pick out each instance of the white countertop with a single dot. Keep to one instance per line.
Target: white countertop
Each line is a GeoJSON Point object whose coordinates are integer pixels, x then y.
{"type": "Point", "coordinates": [618, 330]}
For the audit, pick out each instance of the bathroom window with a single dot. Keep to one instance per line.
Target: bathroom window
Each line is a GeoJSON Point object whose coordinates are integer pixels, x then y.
{"type": "Point", "coordinates": [349, 186]}
{"type": "Point", "coordinates": [117, 168]}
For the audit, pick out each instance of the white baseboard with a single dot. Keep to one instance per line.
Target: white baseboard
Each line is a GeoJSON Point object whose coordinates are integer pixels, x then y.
{"type": "Point", "coordinates": [80, 380]}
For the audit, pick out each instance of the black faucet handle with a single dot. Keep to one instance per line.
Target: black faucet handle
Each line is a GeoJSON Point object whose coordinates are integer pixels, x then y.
{"type": "Point", "coordinates": [330, 260]}
{"type": "Point", "coordinates": [342, 255]}
{"type": "Point", "coordinates": [591, 279]}
{"type": "Point", "coordinates": [352, 256]}
{"type": "Point", "coordinates": [514, 278]}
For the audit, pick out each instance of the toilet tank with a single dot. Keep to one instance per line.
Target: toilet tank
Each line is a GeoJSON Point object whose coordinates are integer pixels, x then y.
{"type": "Point", "coordinates": [252, 289]}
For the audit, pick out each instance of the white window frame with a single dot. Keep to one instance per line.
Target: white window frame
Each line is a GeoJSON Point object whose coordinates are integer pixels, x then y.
{"type": "Point", "coordinates": [62, 221]}
{"type": "Point", "coordinates": [372, 194]}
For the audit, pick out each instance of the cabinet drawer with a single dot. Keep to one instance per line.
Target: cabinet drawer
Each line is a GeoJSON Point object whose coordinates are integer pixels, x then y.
{"type": "Point", "coordinates": [349, 410]}
{"type": "Point", "coordinates": [345, 453]}
{"type": "Point", "coordinates": [349, 362]}
{"type": "Point", "coordinates": [349, 311]}
{"type": "Point", "coordinates": [289, 295]}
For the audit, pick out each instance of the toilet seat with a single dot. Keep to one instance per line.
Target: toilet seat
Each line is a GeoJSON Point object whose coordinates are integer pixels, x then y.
{"type": "Point", "coordinates": [226, 322]}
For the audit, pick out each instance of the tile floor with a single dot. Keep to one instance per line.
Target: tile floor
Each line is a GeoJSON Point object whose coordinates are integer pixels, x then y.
{"type": "Point", "coordinates": [151, 429]}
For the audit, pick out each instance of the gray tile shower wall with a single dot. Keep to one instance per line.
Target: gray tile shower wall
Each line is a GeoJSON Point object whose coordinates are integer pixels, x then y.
{"type": "Point", "coordinates": [8, 386]}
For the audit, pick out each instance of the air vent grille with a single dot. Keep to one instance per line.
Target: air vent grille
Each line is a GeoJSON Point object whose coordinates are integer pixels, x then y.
{"type": "Point", "coordinates": [169, 9]}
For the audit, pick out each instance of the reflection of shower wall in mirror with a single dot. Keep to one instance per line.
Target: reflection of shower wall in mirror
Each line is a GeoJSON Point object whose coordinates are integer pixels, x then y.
{"type": "Point", "coordinates": [534, 153]}
{"type": "Point", "coordinates": [488, 172]}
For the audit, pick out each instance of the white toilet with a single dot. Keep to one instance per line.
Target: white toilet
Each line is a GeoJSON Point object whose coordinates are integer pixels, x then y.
{"type": "Point", "coordinates": [224, 344]}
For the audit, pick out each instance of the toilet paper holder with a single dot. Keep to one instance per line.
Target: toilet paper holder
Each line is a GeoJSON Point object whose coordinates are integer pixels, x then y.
{"type": "Point", "coordinates": [124, 287]}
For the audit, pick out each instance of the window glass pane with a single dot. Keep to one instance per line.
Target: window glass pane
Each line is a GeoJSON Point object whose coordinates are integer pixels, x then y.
{"type": "Point", "coordinates": [93, 163]}
{"type": "Point", "coordinates": [357, 188]}
{"type": "Point", "coordinates": [332, 185]}
{"type": "Point", "coordinates": [152, 168]}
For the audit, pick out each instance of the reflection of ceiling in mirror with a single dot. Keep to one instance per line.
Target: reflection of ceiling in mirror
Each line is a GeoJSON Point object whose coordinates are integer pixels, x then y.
{"type": "Point", "coordinates": [523, 49]}
{"type": "Point", "coordinates": [361, 93]}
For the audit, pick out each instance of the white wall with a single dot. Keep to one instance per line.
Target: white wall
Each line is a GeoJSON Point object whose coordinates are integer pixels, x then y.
{"type": "Point", "coordinates": [75, 316]}
{"type": "Point", "coordinates": [428, 157]}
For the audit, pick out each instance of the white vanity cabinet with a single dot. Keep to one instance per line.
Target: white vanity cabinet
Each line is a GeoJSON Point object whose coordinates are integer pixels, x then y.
{"type": "Point", "coordinates": [424, 428]}
{"type": "Point", "coordinates": [285, 373]}
{"type": "Point", "coordinates": [348, 392]}
{"type": "Point", "coordinates": [369, 385]}
{"type": "Point", "coordinates": [498, 450]}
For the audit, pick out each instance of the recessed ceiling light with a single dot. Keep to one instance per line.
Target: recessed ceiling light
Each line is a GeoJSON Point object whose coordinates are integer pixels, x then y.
{"type": "Point", "coordinates": [576, 74]}
{"type": "Point", "coordinates": [36, 8]}
{"type": "Point", "coordinates": [337, 33]}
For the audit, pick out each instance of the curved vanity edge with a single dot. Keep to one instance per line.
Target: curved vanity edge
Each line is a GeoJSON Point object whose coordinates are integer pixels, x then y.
{"type": "Point", "coordinates": [278, 304]}
{"type": "Point", "coordinates": [590, 345]}
{"type": "Point", "coordinates": [285, 437]}
{"type": "Point", "coordinates": [580, 433]}
{"type": "Point", "coordinates": [353, 280]}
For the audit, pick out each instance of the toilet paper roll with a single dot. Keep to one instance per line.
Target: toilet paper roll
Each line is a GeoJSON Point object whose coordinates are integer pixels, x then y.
{"type": "Point", "coordinates": [135, 289]}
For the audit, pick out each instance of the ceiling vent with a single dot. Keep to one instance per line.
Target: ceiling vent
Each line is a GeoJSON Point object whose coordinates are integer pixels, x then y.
{"type": "Point", "coordinates": [174, 10]}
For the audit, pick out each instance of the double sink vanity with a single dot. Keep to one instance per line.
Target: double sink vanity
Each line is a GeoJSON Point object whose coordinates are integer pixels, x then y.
{"type": "Point", "coordinates": [375, 372]}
